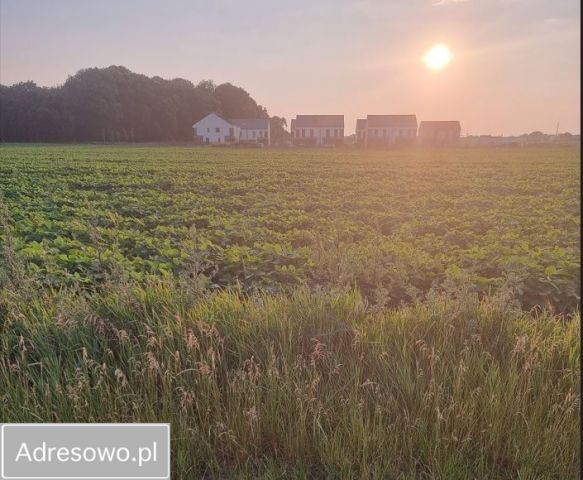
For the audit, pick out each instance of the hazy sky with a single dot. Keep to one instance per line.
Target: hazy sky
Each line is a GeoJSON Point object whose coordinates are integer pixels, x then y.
{"type": "Point", "coordinates": [515, 70]}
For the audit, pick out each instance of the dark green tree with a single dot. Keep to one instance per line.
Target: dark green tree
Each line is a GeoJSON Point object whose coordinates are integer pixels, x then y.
{"type": "Point", "coordinates": [278, 128]}
{"type": "Point", "coordinates": [114, 104]}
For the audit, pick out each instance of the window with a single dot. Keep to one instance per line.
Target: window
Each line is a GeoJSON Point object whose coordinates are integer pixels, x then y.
{"type": "Point", "coordinates": [195, 132]}
{"type": "Point", "coordinates": [218, 130]}
{"type": "Point", "coordinates": [231, 132]}
{"type": "Point", "coordinates": [327, 132]}
{"type": "Point", "coordinates": [208, 130]}
{"type": "Point", "coordinates": [303, 132]}
{"type": "Point", "coordinates": [254, 133]}
{"type": "Point", "coordinates": [311, 132]}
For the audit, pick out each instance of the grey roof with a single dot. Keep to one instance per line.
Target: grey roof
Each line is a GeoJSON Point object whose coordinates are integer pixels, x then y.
{"type": "Point", "coordinates": [334, 121]}
{"type": "Point", "coordinates": [361, 123]}
{"type": "Point", "coordinates": [251, 123]}
{"type": "Point", "coordinates": [409, 121]}
{"type": "Point", "coordinates": [440, 124]}
{"type": "Point", "coordinates": [208, 115]}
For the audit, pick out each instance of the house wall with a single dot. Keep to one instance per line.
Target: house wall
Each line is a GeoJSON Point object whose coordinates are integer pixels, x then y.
{"type": "Point", "coordinates": [318, 136]}
{"type": "Point", "coordinates": [439, 136]}
{"type": "Point", "coordinates": [261, 135]}
{"type": "Point", "coordinates": [213, 129]}
{"type": "Point", "coordinates": [389, 135]}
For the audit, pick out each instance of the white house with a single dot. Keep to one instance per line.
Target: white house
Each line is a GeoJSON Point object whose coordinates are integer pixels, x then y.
{"type": "Point", "coordinates": [214, 129]}
{"type": "Point", "coordinates": [317, 130]}
{"type": "Point", "coordinates": [383, 130]}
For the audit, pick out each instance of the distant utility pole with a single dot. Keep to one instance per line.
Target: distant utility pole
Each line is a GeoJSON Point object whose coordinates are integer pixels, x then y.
{"type": "Point", "coordinates": [557, 130]}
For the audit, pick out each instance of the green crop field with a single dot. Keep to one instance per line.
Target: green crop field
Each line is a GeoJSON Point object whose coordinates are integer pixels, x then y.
{"type": "Point", "coordinates": [300, 313]}
{"type": "Point", "coordinates": [393, 225]}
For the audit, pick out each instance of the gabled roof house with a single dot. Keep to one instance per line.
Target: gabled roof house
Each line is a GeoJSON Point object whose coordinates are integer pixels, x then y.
{"type": "Point", "coordinates": [317, 130]}
{"type": "Point", "coordinates": [383, 130]}
{"type": "Point", "coordinates": [214, 129]}
{"type": "Point", "coordinates": [253, 129]}
{"type": "Point", "coordinates": [439, 132]}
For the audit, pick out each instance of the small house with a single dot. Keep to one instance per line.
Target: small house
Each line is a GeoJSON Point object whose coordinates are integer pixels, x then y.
{"type": "Point", "coordinates": [317, 130]}
{"type": "Point", "coordinates": [439, 133]}
{"type": "Point", "coordinates": [214, 129]}
{"type": "Point", "coordinates": [386, 130]}
{"type": "Point", "coordinates": [253, 130]}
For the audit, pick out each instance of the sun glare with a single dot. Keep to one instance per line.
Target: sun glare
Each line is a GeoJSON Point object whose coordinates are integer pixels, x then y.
{"type": "Point", "coordinates": [438, 57]}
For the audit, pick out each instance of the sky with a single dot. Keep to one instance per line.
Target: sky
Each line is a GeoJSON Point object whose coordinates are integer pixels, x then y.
{"type": "Point", "coordinates": [515, 66]}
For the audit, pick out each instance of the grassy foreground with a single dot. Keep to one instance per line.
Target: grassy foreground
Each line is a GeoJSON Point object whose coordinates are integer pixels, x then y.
{"type": "Point", "coordinates": [302, 385]}
{"type": "Point", "coordinates": [300, 313]}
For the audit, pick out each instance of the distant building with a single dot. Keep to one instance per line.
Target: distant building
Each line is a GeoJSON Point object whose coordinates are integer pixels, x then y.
{"type": "Point", "coordinates": [317, 130]}
{"type": "Point", "coordinates": [360, 131]}
{"type": "Point", "coordinates": [214, 129]}
{"type": "Point", "coordinates": [386, 130]}
{"type": "Point", "coordinates": [537, 139]}
{"type": "Point", "coordinates": [491, 141]}
{"type": "Point", "coordinates": [254, 130]}
{"type": "Point", "coordinates": [439, 133]}
{"type": "Point", "coordinates": [350, 139]}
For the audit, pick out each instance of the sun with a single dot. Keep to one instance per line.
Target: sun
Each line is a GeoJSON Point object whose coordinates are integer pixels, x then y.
{"type": "Point", "coordinates": [437, 57]}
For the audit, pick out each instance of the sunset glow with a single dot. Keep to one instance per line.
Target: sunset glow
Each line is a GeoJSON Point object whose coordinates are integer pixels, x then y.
{"type": "Point", "coordinates": [438, 57]}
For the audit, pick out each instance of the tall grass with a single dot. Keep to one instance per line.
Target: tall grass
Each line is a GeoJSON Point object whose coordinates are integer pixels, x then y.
{"type": "Point", "coordinates": [304, 385]}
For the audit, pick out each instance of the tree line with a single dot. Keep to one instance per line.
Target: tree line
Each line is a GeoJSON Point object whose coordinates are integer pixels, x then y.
{"type": "Point", "coordinates": [114, 104]}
